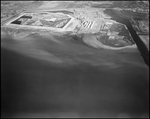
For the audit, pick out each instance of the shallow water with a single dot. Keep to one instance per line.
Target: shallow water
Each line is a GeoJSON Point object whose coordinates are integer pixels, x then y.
{"type": "Point", "coordinates": [49, 76]}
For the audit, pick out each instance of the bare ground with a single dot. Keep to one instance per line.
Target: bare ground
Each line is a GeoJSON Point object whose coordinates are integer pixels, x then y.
{"type": "Point", "coordinates": [11, 8]}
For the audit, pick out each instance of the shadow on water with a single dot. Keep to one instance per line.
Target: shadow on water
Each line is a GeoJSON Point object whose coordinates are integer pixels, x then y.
{"type": "Point", "coordinates": [141, 46]}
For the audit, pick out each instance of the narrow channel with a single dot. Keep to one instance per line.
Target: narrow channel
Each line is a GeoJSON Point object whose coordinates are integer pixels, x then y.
{"type": "Point", "coordinates": [141, 46]}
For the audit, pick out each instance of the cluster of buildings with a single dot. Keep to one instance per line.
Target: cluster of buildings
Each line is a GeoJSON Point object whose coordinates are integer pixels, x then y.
{"type": "Point", "coordinates": [93, 20]}
{"type": "Point", "coordinates": [141, 27]}
{"type": "Point", "coordinates": [82, 22]}
{"type": "Point", "coordinates": [87, 21]}
{"type": "Point", "coordinates": [144, 26]}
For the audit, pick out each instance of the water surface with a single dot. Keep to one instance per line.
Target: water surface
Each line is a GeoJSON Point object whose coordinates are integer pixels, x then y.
{"type": "Point", "coordinates": [49, 76]}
